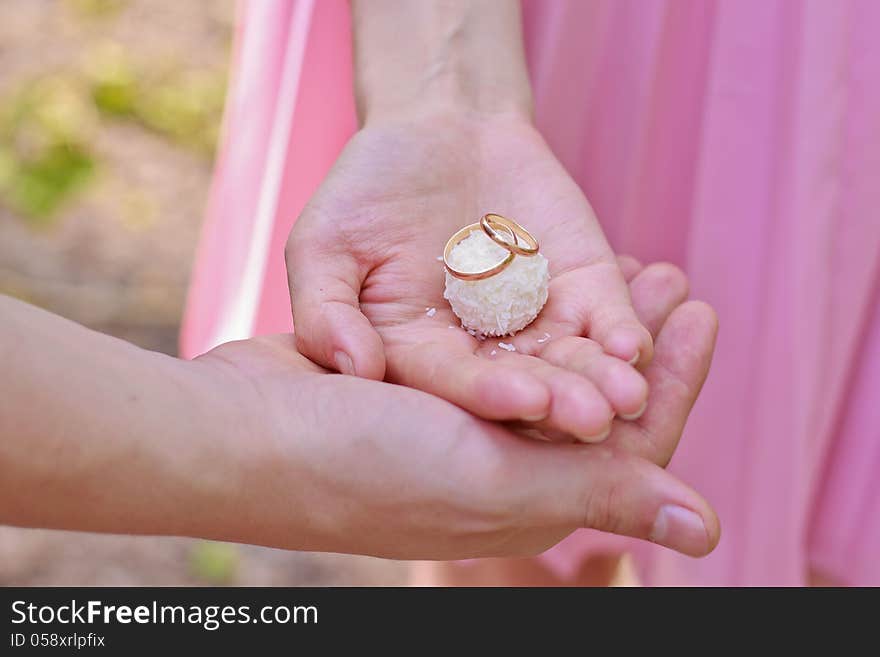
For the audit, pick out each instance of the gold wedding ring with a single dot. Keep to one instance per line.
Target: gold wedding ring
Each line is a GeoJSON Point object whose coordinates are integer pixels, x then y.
{"type": "Point", "coordinates": [493, 225]}
{"type": "Point", "coordinates": [489, 222]}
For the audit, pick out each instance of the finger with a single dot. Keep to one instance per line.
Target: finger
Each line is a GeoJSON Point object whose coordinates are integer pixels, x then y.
{"type": "Point", "coordinates": [489, 389]}
{"type": "Point", "coordinates": [605, 310]}
{"type": "Point", "coordinates": [684, 353]}
{"type": "Point", "coordinates": [623, 386]}
{"type": "Point", "coordinates": [629, 267]}
{"type": "Point", "coordinates": [599, 488]}
{"type": "Point", "coordinates": [329, 326]}
{"type": "Point", "coordinates": [656, 291]}
{"type": "Point", "coordinates": [578, 408]}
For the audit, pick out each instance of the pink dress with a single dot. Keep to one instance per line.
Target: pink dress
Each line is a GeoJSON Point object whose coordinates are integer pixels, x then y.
{"type": "Point", "coordinates": [739, 139]}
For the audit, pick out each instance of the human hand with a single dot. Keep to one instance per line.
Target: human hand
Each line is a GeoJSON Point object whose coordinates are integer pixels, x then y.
{"type": "Point", "coordinates": [362, 263]}
{"type": "Point", "coordinates": [343, 464]}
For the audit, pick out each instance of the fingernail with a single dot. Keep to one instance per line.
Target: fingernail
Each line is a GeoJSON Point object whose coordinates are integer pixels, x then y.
{"type": "Point", "coordinates": [680, 529]}
{"type": "Point", "coordinates": [634, 359]}
{"type": "Point", "coordinates": [598, 438]}
{"type": "Point", "coordinates": [637, 414]}
{"type": "Point", "coordinates": [535, 418]}
{"type": "Point", "coordinates": [343, 363]}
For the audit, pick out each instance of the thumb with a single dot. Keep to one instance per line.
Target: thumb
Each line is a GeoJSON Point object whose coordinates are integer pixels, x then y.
{"type": "Point", "coordinates": [328, 323]}
{"type": "Point", "coordinates": [599, 488]}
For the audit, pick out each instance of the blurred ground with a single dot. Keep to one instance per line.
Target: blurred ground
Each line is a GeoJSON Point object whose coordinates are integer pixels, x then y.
{"type": "Point", "coordinates": [108, 115]}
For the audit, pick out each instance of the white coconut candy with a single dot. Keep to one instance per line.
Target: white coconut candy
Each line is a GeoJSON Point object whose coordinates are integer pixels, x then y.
{"type": "Point", "coordinates": [502, 304]}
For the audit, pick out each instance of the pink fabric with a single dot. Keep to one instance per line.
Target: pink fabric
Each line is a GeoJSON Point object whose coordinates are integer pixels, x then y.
{"type": "Point", "coordinates": [739, 139]}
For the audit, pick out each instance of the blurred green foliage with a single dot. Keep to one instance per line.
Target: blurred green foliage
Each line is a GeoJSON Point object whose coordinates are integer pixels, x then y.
{"type": "Point", "coordinates": [48, 127]}
{"type": "Point", "coordinates": [114, 83]}
{"type": "Point", "coordinates": [37, 188]}
{"type": "Point", "coordinates": [182, 104]}
{"type": "Point", "coordinates": [96, 8]}
{"type": "Point", "coordinates": [185, 107]}
{"type": "Point", "coordinates": [45, 132]}
{"type": "Point", "coordinates": [215, 563]}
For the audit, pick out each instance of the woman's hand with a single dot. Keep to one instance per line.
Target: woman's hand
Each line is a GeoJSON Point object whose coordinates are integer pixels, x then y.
{"type": "Point", "coordinates": [362, 260]}
{"type": "Point", "coordinates": [344, 464]}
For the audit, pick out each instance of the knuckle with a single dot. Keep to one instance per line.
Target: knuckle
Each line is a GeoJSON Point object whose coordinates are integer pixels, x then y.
{"type": "Point", "coordinates": [670, 276]}
{"type": "Point", "coordinates": [556, 349]}
{"type": "Point", "coordinates": [588, 349]}
{"type": "Point", "coordinates": [302, 345]}
{"type": "Point", "coordinates": [606, 319]}
{"type": "Point", "coordinates": [601, 507]}
{"type": "Point", "coordinates": [566, 348]}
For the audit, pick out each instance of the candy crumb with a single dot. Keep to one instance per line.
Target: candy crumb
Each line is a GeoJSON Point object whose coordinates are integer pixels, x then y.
{"type": "Point", "coordinates": [544, 339]}
{"type": "Point", "coordinates": [430, 312]}
{"type": "Point", "coordinates": [493, 352]}
{"type": "Point", "coordinates": [506, 347]}
{"type": "Point", "coordinates": [439, 258]}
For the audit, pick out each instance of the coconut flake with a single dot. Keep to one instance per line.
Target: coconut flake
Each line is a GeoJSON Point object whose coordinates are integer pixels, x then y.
{"type": "Point", "coordinates": [506, 347]}
{"type": "Point", "coordinates": [544, 339]}
{"type": "Point", "coordinates": [430, 312]}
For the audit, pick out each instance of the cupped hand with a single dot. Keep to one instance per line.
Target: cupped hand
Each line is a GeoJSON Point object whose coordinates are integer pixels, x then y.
{"type": "Point", "coordinates": [363, 270]}
{"type": "Point", "coordinates": [339, 463]}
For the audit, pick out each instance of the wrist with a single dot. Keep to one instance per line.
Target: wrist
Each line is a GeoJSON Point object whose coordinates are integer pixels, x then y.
{"type": "Point", "coordinates": [194, 463]}
{"type": "Point", "coordinates": [213, 471]}
{"type": "Point", "coordinates": [446, 107]}
{"type": "Point", "coordinates": [422, 58]}
{"type": "Point", "coordinates": [443, 92]}
{"type": "Point", "coordinates": [251, 485]}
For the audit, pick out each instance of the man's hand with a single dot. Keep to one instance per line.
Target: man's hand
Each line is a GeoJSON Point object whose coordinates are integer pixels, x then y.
{"type": "Point", "coordinates": [345, 464]}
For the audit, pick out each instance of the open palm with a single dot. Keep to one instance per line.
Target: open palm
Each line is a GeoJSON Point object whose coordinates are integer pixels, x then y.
{"type": "Point", "coordinates": [363, 269]}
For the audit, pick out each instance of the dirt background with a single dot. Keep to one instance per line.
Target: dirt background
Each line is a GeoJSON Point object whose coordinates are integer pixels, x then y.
{"type": "Point", "coordinates": [124, 85]}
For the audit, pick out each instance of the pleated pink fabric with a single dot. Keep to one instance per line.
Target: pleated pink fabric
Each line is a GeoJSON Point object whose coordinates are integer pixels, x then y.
{"type": "Point", "coordinates": [739, 139]}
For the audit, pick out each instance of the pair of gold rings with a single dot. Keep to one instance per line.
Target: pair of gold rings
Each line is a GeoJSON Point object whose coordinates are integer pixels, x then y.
{"type": "Point", "coordinates": [518, 241]}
